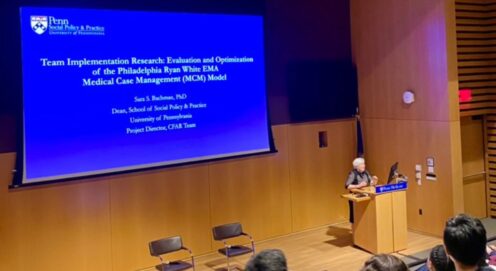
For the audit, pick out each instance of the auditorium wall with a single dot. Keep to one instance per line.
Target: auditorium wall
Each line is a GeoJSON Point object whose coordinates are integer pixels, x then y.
{"type": "Point", "coordinates": [106, 223]}
{"type": "Point", "coordinates": [411, 45]}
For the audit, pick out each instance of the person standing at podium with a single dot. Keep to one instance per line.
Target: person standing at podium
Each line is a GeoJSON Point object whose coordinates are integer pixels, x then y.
{"type": "Point", "coordinates": [359, 177]}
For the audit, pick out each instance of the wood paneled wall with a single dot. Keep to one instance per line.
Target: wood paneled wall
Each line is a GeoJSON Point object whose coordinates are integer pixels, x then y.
{"type": "Point", "coordinates": [490, 155]}
{"type": "Point", "coordinates": [54, 228]}
{"type": "Point", "coordinates": [474, 175]}
{"type": "Point", "coordinates": [315, 171]}
{"type": "Point", "coordinates": [476, 40]}
{"type": "Point", "coordinates": [106, 223]}
{"type": "Point", "coordinates": [409, 45]}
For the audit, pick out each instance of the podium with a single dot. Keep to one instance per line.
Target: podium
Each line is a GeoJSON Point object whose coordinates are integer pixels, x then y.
{"type": "Point", "coordinates": [380, 218]}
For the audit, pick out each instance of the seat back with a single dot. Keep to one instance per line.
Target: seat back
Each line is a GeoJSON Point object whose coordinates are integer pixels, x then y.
{"type": "Point", "coordinates": [166, 245]}
{"type": "Point", "coordinates": [227, 231]}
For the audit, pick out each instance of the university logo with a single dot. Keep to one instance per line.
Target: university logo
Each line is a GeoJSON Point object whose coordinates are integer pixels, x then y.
{"type": "Point", "coordinates": [39, 24]}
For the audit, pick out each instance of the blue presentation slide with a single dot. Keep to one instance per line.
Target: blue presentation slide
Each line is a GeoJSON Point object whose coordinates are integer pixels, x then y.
{"type": "Point", "coordinates": [107, 91]}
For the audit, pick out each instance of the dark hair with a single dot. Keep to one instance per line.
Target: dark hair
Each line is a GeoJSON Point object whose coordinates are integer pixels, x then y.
{"type": "Point", "coordinates": [465, 239]}
{"type": "Point", "coordinates": [384, 262]}
{"type": "Point", "coordinates": [268, 260]}
{"type": "Point", "coordinates": [440, 260]}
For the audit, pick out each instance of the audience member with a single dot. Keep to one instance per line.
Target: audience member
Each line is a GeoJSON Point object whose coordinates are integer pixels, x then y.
{"type": "Point", "coordinates": [465, 241]}
{"type": "Point", "coordinates": [268, 260]}
{"type": "Point", "coordinates": [384, 262]}
{"type": "Point", "coordinates": [438, 261]}
{"type": "Point", "coordinates": [491, 255]}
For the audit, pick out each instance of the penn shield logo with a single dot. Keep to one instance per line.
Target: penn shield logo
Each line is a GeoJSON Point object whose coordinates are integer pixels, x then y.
{"type": "Point", "coordinates": [39, 24]}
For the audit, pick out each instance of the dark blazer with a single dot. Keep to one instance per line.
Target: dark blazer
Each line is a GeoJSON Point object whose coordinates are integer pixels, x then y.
{"type": "Point", "coordinates": [356, 177]}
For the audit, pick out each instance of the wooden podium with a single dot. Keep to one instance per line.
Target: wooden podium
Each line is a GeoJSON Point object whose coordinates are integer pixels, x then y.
{"type": "Point", "coordinates": [380, 218]}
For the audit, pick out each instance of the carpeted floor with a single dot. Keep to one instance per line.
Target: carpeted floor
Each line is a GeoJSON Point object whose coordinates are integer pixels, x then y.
{"type": "Point", "coordinates": [490, 225]}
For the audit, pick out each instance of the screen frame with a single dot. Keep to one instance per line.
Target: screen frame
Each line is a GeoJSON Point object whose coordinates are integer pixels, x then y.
{"type": "Point", "coordinates": [19, 171]}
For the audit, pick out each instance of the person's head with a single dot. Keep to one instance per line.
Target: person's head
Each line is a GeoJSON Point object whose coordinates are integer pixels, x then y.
{"type": "Point", "coordinates": [359, 164]}
{"type": "Point", "coordinates": [268, 260]}
{"type": "Point", "coordinates": [465, 240]}
{"type": "Point", "coordinates": [384, 262]}
{"type": "Point", "coordinates": [439, 260]}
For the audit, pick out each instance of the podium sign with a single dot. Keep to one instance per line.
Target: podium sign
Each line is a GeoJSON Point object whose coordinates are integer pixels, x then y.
{"type": "Point", "coordinates": [391, 187]}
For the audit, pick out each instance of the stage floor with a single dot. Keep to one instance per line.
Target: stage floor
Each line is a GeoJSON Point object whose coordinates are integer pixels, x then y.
{"type": "Point", "coordinates": [326, 248]}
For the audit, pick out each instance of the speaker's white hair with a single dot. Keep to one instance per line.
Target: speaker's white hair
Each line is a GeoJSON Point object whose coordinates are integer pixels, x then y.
{"type": "Point", "coordinates": [358, 161]}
